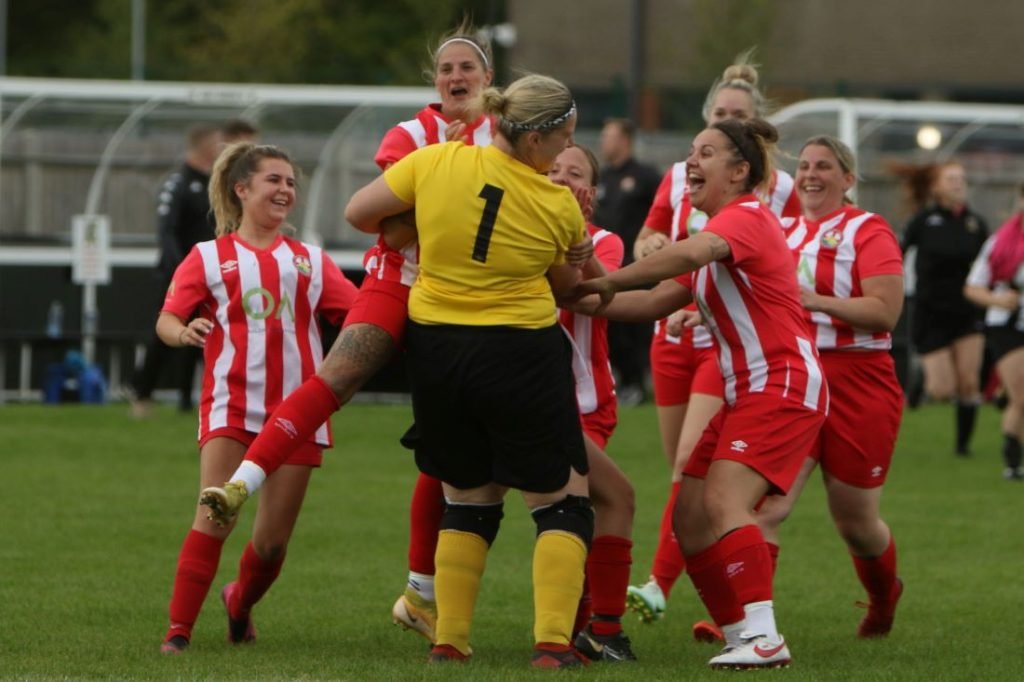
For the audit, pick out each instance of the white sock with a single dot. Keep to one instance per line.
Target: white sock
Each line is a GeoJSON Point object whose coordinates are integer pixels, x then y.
{"type": "Point", "coordinates": [422, 584]}
{"type": "Point", "coordinates": [733, 631]}
{"type": "Point", "coordinates": [251, 474]}
{"type": "Point", "coordinates": [761, 619]}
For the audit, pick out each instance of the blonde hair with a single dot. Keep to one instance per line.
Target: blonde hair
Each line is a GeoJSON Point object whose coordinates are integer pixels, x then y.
{"type": "Point", "coordinates": [753, 142]}
{"type": "Point", "coordinates": [236, 165]}
{"type": "Point", "coordinates": [741, 75]}
{"type": "Point", "coordinates": [844, 155]}
{"type": "Point", "coordinates": [533, 103]}
{"type": "Point", "coordinates": [465, 33]}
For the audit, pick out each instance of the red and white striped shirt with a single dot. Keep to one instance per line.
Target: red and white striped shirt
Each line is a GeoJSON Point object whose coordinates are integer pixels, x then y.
{"type": "Point", "coordinates": [595, 386]}
{"type": "Point", "coordinates": [266, 339]}
{"type": "Point", "coordinates": [751, 304]}
{"type": "Point", "coordinates": [673, 215]}
{"type": "Point", "coordinates": [833, 255]}
{"type": "Point", "coordinates": [428, 127]}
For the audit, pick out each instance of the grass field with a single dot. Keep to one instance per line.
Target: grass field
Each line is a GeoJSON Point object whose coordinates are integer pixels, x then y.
{"type": "Point", "coordinates": [95, 505]}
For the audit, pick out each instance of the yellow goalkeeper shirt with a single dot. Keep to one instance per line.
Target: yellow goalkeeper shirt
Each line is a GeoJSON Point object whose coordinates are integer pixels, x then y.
{"type": "Point", "coordinates": [489, 228]}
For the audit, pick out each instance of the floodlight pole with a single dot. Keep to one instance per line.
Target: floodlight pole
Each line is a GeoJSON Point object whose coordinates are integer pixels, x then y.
{"type": "Point", "coordinates": [138, 39]}
{"type": "Point", "coordinates": [637, 63]}
{"type": "Point", "coordinates": [3, 37]}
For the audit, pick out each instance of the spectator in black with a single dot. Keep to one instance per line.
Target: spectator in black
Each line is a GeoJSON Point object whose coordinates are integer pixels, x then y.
{"type": "Point", "coordinates": [625, 191]}
{"type": "Point", "coordinates": [183, 220]}
{"type": "Point", "coordinates": [946, 328]}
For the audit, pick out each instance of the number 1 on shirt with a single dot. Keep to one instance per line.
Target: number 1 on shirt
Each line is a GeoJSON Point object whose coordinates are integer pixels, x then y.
{"type": "Point", "coordinates": [492, 196]}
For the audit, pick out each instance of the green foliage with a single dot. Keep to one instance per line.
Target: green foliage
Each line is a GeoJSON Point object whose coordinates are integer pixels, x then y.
{"type": "Point", "coordinates": [725, 28]}
{"type": "Point", "coordinates": [258, 41]}
{"type": "Point", "coordinates": [95, 506]}
{"type": "Point", "coordinates": [58, 38]}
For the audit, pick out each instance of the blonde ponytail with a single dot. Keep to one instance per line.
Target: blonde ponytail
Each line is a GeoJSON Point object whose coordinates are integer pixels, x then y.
{"type": "Point", "coordinates": [236, 165]}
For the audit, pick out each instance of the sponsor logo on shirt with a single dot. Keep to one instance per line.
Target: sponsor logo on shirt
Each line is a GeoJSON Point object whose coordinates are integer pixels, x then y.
{"type": "Point", "coordinates": [259, 304]}
{"type": "Point", "coordinates": [832, 239]}
{"type": "Point", "coordinates": [738, 446]}
{"type": "Point", "coordinates": [303, 265]}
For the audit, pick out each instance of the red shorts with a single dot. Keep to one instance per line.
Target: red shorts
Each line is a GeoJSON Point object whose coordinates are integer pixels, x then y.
{"type": "Point", "coordinates": [600, 424]}
{"type": "Point", "coordinates": [865, 408]}
{"type": "Point", "coordinates": [679, 370]}
{"type": "Point", "coordinates": [771, 435]}
{"type": "Point", "coordinates": [308, 454]}
{"type": "Point", "coordinates": [382, 303]}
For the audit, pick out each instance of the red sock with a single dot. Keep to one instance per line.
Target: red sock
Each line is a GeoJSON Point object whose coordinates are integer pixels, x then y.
{"type": "Point", "coordinates": [583, 610]}
{"type": "Point", "coordinates": [255, 576]}
{"type": "Point", "coordinates": [708, 577]}
{"type": "Point", "coordinates": [747, 564]}
{"type": "Point", "coordinates": [292, 424]}
{"type": "Point", "coordinates": [773, 550]}
{"type": "Point", "coordinates": [668, 558]}
{"type": "Point", "coordinates": [424, 523]}
{"type": "Point", "coordinates": [608, 565]}
{"type": "Point", "coordinates": [197, 566]}
{"type": "Point", "coordinates": [878, 574]}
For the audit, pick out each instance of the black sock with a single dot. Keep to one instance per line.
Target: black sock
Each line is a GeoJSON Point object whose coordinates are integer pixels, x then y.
{"type": "Point", "coordinates": [966, 416]}
{"type": "Point", "coordinates": [1011, 451]}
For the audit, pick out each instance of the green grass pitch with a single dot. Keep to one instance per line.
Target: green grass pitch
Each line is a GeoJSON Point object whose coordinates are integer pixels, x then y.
{"type": "Point", "coordinates": [95, 505]}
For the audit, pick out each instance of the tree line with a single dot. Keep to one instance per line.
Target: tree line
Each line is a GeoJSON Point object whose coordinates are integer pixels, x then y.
{"type": "Point", "coordinates": [249, 41]}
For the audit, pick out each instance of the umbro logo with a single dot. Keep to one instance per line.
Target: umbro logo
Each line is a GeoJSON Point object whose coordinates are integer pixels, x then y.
{"type": "Point", "coordinates": [734, 569]}
{"type": "Point", "coordinates": [229, 265]}
{"type": "Point", "coordinates": [738, 445]}
{"type": "Point", "coordinates": [286, 426]}
{"type": "Point", "coordinates": [877, 471]}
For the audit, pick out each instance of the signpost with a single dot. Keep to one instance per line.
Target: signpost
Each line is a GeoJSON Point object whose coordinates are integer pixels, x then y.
{"type": "Point", "coordinates": [90, 266]}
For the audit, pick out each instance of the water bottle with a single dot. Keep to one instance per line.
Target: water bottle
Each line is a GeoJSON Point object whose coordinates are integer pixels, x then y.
{"type": "Point", "coordinates": [55, 320]}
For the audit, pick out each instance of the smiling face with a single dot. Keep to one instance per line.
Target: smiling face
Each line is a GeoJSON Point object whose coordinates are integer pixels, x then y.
{"type": "Point", "coordinates": [821, 182]}
{"type": "Point", "coordinates": [269, 195]}
{"type": "Point", "coordinates": [713, 176]}
{"type": "Point", "coordinates": [731, 103]}
{"type": "Point", "coordinates": [572, 169]}
{"type": "Point", "coordinates": [459, 76]}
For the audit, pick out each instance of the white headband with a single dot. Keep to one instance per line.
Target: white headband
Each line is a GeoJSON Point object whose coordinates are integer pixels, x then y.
{"type": "Point", "coordinates": [469, 42]}
{"type": "Point", "coordinates": [542, 127]}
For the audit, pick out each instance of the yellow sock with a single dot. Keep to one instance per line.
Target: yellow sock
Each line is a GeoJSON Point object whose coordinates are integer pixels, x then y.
{"type": "Point", "coordinates": [558, 565]}
{"type": "Point", "coordinates": [459, 564]}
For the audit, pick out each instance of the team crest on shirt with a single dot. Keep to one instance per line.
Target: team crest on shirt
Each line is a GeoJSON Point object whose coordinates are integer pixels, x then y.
{"type": "Point", "coordinates": [832, 239]}
{"type": "Point", "coordinates": [696, 222]}
{"type": "Point", "coordinates": [303, 265]}
{"type": "Point", "coordinates": [971, 224]}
